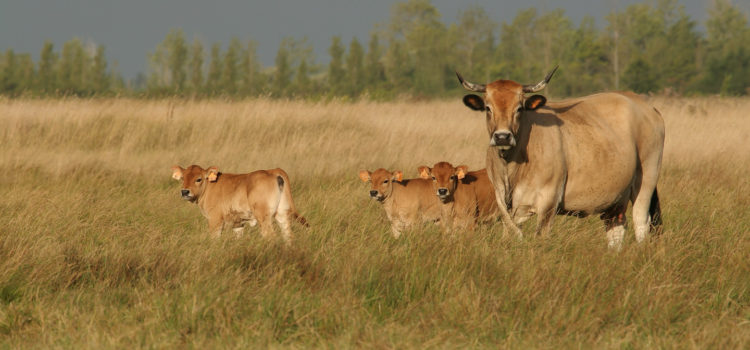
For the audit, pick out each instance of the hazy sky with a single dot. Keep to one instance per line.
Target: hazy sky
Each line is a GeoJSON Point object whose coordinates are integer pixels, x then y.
{"type": "Point", "coordinates": [130, 29]}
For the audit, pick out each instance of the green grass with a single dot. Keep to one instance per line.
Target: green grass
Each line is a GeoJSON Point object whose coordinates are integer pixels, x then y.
{"type": "Point", "coordinates": [97, 250]}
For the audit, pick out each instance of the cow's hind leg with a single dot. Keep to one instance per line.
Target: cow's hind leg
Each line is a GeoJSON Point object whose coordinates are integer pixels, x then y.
{"type": "Point", "coordinates": [285, 222]}
{"type": "Point", "coordinates": [284, 213]}
{"type": "Point", "coordinates": [265, 221]}
{"type": "Point", "coordinates": [546, 214]}
{"type": "Point", "coordinates": [266, 226]}
{"type": "Point", "coordinates": [643, 206]}
{"type": "Point", "coordinates": [615, 223]}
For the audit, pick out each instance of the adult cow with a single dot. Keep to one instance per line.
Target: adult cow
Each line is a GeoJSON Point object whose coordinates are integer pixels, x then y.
{"type": "Point", "coordinates": [581, 156]}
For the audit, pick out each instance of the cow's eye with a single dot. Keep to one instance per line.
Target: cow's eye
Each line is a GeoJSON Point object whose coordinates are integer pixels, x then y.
{"type": "Point", "coordinates": [385, 182]}
{"type": "Point", "coordinates": [453, 177]}
{"type": "Point", "coordinates": [433, 178]}
{"type": "Point", "coordinates": [520, 109]}
{"type": "Point", "coordinates": [198, 180]}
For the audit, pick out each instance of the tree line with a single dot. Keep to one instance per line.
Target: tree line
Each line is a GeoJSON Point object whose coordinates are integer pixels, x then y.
{"type": "Point", "coordinates": [650, 47]}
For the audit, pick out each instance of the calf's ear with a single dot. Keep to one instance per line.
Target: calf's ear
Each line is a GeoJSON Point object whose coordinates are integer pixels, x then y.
{"type": "Point", "coordinates": [398, 175]}
{"type": "Point", "coordinates": [534, 102]}
{"type": "Point", "coordinates": [424, 172]}
{"type": "Point", "coordinates": [461, 171]}
{"type": "Point", "coordinates": [364, 175]}
{"type": "Point", "coordinates": [212, 174]}
{"type": "Point", "coordinates": [177, 172]}
{"type": "Point", "coordinates": [474, 102]}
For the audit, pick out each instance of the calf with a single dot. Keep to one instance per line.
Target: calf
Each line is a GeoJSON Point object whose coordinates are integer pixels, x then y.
{"type": "Point", "coordinates": [466, 197]}
{"type": "Point", "coordinates": [231, 200]}
{"type": "Point", "coordinates": [406, 202]}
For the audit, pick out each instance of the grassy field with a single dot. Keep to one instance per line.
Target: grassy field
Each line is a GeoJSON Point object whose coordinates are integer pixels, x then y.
{"type": "Point", "coordinates": [97, 250]}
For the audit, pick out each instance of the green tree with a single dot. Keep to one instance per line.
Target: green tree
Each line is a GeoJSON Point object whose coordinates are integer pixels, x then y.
{"type": "Point", "coordinates": [728, 59]}
{"type": "Point", "coordinates": [336, 74]}
{"type": "Point", "coordinates": [229, 73]}
{"type": "Point", "coordinates": [26, 73]}
{"type": "Point", "coordinates": [475, 43]}
{"type": "Point", "coordinates": [213, 80]}
{"type": "Point", "coordinates": [553, 35]}
{"type": "Point", "coordinates": [585, 62]}
{"type": "Point", "coordinates": [100, 80]}
{"type": "Point", "coordinates": [176, 59]}
{"type": "Point", "coordinates": [679, 69]}
{"type": "Point", "coordinates": [398, 70]}
{"type": "Point", "coordinates": [301, 83]}
{"type": "Point", "coordinates": [374, 70]}
{"type": "Point", "coordinates": [515, 54]}
{"type": "Point", "coordinates": [73, 62]}
{"type": "Point", "coordinates": [158, 77]}
{"type": "Point", "coordinates": [354, 68]}
{"type": "Point", "coordinates": [9, 84]}
{"type": "Point", "coordinates": [417, 25]}
{"type": "Point", "coordinates": [636, 32]}
{"type": "Point", "coordinates": [251, 77]}
{"type": "Point", "coordinates": [195, 64]}
{"type": "Point", "coordinates": [46, 79]}
{"type": "Point", "coordinates": [639, 77]}
{"type": "Point", "coordinates": [283, 73]}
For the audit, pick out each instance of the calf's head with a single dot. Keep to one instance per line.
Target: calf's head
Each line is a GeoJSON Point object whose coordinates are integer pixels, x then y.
{"type": "Point", "coordinates": [194, 180]}
{"type": "Point", "coordinates": [381, 181]}
{"type": "Point", "coordinates": [504, 103]}
{"type": "Point", "coordinates": [445, 178]}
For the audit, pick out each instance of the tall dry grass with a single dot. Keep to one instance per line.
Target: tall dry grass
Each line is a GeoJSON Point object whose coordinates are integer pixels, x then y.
{"type": "Point", "coordinates": [98, 251]}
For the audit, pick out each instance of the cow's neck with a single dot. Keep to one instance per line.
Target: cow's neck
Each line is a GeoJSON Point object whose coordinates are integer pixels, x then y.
{"type": "Point", "coordinates": [206, 193]}
{"type": "Point", "coordinates": [503, 168]}
{"type": "Point", "coordinates": [388, 201]}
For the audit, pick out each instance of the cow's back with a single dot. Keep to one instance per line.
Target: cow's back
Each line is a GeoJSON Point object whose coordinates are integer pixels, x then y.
{"type": "Point", "coordinates": [242, 192]}
{"type": "Point", "coordinates": [416, 197]}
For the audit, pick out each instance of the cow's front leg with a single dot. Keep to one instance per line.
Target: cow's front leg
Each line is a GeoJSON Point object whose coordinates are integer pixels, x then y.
{"type": "Point", "coordinates": [508, 221]}
{"type": "Point", "coordinates": [215, 225]}
{"type": "Point", "coordinates": [497, 171]}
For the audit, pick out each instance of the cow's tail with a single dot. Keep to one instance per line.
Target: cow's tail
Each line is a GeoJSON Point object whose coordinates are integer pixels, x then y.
{"type": "Point", "coordinates": [286, 195]}
{"type": "Point", "coordinates": [654, 211]}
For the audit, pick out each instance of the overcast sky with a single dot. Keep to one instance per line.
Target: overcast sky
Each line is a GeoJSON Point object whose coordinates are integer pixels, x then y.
{"type": "Point", "coordinates": [130, 29]}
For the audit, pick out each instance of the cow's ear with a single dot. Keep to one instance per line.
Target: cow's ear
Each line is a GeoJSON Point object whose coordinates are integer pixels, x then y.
{"type": "Point", "coordinates": [535, 102]}
{"type": "Point", "coordinates": [364, 175]}
{"type": "Point", "coordinates": [398, 175]}
{"type": "Point", "coordinates": [213, 174]}
{"type": "Point", "coordinates": [177, 172]}
{"type": "Point", "coordinates": [461, 171]}
{"type": "Point", "coordinates": [474, 102]}
{"type": "Point", "coordinates": [424, 172]}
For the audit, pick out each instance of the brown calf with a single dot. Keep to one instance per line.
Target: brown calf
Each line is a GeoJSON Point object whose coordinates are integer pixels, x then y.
{"type": "Point", "coordinates": [231, 200]}
{"type": "Point", "coordinates": [466, 197]}
{"type": "Point", "coordinates": [406, 202]}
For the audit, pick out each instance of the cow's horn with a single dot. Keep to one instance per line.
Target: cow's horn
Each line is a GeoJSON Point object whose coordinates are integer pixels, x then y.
{"type": "Point", "coordinates": [540, 85]}
{"type": "Point", "coordinates": [471, 86]}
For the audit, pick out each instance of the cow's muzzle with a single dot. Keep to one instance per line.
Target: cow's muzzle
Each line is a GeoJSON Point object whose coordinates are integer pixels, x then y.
{"type": "Point", "coordinates": [502, 140]}
{"type": "Point", "coordinates": [442, 192]}
{"type": "Point", "coordinates": [376, 195]}
{"type": "Point", "coordinates": [186, 195]}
